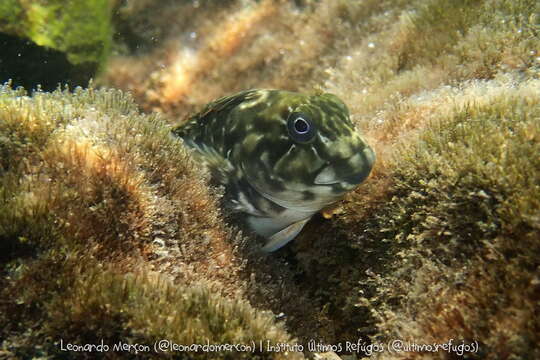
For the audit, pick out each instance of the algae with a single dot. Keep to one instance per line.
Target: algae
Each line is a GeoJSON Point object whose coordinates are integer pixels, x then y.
{"type": "Point", "coordinates": [80, 212]}
{"type": "Point", "coordinates": [464, 216]}
{"type": "Point", "coordinates": [51, 42]}
{"type": "Point", "coordinates": [81, 29]}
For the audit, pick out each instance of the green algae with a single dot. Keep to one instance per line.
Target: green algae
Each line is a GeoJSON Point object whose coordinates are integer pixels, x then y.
{"type": "Point", "coordinates": [80, 29]}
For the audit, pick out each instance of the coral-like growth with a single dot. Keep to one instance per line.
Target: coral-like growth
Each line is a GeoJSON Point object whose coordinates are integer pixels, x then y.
{"type": "Point", "coordinates": [91, 191]}
{"type": "Point", "coordinates": [464, 226]}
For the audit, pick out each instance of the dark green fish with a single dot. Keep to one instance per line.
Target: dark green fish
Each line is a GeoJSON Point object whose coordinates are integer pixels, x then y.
{"type": "Point", "coordinates": [281, 156]}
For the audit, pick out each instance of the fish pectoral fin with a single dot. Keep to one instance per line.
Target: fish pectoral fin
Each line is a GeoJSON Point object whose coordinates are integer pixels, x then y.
{"type": "Point", "coordinates": [283, 236]}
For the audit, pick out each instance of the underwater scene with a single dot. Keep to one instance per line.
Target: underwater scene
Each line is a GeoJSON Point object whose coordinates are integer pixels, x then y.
{"type": "Point", "coordinates": [270, 179]}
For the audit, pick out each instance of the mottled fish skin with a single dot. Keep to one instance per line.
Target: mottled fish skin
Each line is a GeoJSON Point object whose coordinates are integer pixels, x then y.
{"type": "Point", "coordinates": [282, 156]}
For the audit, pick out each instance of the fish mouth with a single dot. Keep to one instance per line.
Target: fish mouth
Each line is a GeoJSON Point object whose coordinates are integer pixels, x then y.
{"type": "Point", "coordinates": [359, 166]}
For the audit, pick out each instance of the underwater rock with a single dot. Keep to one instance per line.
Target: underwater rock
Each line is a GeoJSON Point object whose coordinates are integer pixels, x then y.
{"type": "Point", "coordinates": [44, 36]}
{"type": "Point", "coordinates": [90, 191]}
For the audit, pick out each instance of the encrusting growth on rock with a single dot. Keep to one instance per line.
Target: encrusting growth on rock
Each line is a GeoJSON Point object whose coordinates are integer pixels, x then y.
{"type": "Point", "coordinates": [91, 192]}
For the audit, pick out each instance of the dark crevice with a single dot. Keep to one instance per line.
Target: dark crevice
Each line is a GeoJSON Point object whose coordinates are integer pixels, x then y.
{"type": "Point", "coordinates": [28, 65]}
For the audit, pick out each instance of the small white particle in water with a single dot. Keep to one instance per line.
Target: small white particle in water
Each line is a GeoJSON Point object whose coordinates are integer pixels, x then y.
{"type": "Point", "coordinates": [371, 45]}
{"type": "Point", "coordinates": [19, 54]}
{"type": "Point", "coordinates": [349, 58]}
{"type": "Point", "coordinates": [364, 91]}
{"type": "Point", "coordinates": [193, 35]}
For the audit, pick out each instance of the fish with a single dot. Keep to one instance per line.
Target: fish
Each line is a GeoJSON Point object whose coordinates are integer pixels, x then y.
{"type": "Point", "coordinates": [281, 156]}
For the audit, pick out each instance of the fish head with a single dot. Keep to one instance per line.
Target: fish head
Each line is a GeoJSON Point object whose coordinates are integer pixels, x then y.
{"type": "Point", "coordinates": [303, 152]}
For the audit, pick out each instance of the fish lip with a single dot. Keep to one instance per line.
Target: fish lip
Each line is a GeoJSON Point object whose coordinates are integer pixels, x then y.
{"type": "Point", "coordinates": [357, 178]}
{"type": "Point", "coordinates": [365, 160]}
{"type": "Point", "coordinates": [353, 179]}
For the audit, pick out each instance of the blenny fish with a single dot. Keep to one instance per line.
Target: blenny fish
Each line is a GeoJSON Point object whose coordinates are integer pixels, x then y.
{"type": "Point", "coordinates": [281, 156]}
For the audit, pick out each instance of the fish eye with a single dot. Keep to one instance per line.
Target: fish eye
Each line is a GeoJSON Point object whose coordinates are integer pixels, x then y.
{"type": "Point", "coordinates": [301, 128]}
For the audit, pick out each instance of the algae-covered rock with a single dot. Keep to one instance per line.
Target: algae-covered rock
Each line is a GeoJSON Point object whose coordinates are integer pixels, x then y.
{"type": "Point", "coordinates": [79, 32]}
{"type": "Point", "coordinates": [462, 228]}
{"type": "Point", "coordinates": [90, 192]}
{"type": "Point", "coordinates": [81, 29]}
